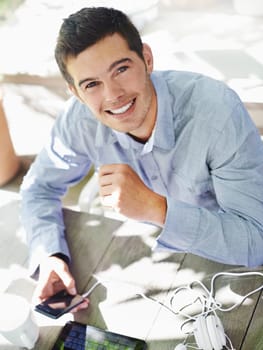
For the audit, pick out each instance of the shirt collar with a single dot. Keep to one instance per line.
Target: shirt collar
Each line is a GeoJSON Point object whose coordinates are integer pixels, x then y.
{"type": "Point", "coordinates": [164, 133]}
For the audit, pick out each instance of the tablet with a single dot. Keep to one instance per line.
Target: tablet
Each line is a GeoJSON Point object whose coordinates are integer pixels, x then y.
{"type": "Point", "coordinates": [78, 336]}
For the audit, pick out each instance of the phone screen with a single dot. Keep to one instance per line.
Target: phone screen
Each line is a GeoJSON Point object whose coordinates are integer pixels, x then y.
{"type": "Point", "coordinates": [75, 335]}
{"type": "Point", "coordinates": [59, 304]}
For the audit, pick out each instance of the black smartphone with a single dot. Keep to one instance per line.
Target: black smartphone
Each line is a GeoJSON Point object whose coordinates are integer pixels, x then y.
{"type": "Point", "coordinates": [59, 304]}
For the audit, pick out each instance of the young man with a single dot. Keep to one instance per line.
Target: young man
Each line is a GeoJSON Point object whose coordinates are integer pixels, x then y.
{"type": "Point", "coordinates": [180, 146]}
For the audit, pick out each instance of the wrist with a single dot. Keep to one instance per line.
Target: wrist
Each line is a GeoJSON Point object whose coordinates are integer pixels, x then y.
{"type": "Point", "coordinates": [62, 256]}
{"type": "Point", "coordinates": [158, 214]}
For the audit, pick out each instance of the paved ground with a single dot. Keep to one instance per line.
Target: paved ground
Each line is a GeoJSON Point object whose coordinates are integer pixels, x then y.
{"type": "Point", "coordinates": [206, 36]}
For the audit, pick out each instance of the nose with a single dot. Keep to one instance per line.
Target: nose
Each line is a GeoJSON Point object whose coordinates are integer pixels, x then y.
{"type": "Point", "coordinates": [113, 91]}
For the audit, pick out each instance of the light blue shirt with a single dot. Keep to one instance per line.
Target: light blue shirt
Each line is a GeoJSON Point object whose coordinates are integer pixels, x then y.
{"type": "Point", "coordinates": [205, 156]}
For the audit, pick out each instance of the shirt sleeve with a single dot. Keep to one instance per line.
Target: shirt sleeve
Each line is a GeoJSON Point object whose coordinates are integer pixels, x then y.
{"type": "Point", "coordinates": [58, 166]}
{"type": "Point", "coordinates": [234, 233]}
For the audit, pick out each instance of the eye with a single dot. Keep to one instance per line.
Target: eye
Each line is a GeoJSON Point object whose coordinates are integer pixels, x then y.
{"type": "Point", "coordinates": [90, 85]}
{"type": "Point", "coordinates": [122, 69]}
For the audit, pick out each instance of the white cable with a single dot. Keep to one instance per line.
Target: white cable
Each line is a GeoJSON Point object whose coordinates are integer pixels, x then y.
{"type": "Point", "coordinates": [208, 301]}
{"type": "Point", "coordinates": [207, 307]}
{"type": "Point", "coordinates": [86, 294]}
{"type": "Point", "coordinates": [235, 274]}
{"type": "Point", "coordinates": [209, 304]}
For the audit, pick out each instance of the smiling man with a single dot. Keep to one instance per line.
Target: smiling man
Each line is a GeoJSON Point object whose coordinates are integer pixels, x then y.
{"type": "Point", "coordinates": [115, 83]}
{"type": "Point", "coordinates": [176, 149]}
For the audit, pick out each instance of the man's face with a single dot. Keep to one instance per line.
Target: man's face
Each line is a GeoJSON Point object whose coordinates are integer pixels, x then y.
{"type": "Point", "coordinates": [114, 83]}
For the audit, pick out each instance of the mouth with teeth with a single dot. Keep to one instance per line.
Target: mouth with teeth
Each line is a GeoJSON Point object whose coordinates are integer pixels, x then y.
{"type": "Point", "coordinates": [118, 112]}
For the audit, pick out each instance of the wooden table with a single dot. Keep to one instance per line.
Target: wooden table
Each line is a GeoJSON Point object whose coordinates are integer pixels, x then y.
{"type": "Point", "coordinates": [120, 254]}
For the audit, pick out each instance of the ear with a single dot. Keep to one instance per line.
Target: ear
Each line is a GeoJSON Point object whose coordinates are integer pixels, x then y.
{"type": "Point", "coordinates": [148, 57]}
{"type": "Point", "coordinates": [74, 91]}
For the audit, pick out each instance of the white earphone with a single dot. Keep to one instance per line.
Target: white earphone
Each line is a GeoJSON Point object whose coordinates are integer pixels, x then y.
{"type": "Point", "coordinates": [207, 328]}
{"type": "Point", "coordinates": [209, 333]}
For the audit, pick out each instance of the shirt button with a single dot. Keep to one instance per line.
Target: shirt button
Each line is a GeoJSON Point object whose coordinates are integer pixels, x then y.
{"type": "Point", "coordinates": [154, 177]}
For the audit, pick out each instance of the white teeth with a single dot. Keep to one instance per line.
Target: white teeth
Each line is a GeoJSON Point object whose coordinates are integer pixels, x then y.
{"type": "Point", "coordinates": [122, 109]}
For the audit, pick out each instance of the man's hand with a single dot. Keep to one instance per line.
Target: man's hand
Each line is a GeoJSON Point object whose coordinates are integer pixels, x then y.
{"type": "Point", "coordinates": [55, 276]}
{"type": "Point", "coordinates": [123, 190]}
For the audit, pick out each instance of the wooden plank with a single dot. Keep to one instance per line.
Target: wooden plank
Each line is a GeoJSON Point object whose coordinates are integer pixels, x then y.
{"type": "Point", "coordinates": [165, 332]}
{"type": "Point", "coordinates": [88, 237]}
{"type": "Point", "coordinates": [12, 237]}
{"type": "Point", "coordinates": [236, 322]}
{"type": "Point", "coordinates": [120, 254]}
{"type": "Point", "coordinates": [130, 267]}
{"type": "Point", "coordinates": [13, 252]}
{"type": "Point", "coordinates": [13, 249]}
{"type": "Point", "coordinates": [229, 290]}
{"type": "Point", "coordinates": [254, 337]}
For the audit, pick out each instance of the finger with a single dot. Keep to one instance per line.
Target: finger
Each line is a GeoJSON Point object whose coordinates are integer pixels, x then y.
{"type": "Point", "coordinates": [63, 272]}
{"type": "Point", "coordinates": [44, 289]}
{"type": "Point", "coordinates": [106, 169]}
{"type": "Point", "coordinates": [107, 201]}
{"type": "Point", "coordinates": [81, 306]}
{"type": "Point", "coordinates": [106, 190]}
{"type": "Point", "coordinates": [111, 200]}
{"type": "Point", "coordinates": [106, 181]}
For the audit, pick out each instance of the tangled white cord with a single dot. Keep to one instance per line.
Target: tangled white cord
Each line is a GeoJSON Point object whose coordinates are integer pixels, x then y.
{"type": "Point", "coordinates": [207, 300]}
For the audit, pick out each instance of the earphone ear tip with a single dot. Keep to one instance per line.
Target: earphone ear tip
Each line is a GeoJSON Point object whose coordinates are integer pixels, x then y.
{"type": "Point", "coordinates": [180, 347]}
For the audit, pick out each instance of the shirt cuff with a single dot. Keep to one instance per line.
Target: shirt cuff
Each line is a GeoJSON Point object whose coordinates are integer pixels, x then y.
{"type": "Point", "coordinates": [39, 252]}
{"type": "Point", "coordinates": [63, 257]}
{"type": "Point", "coordinates": [181, 226]}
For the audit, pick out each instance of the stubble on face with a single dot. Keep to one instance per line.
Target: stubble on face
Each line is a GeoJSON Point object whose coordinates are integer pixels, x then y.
{"type": "Point", "coordinates": [125, 102]}
{"type": "Point", "coordinates": [143, 130]}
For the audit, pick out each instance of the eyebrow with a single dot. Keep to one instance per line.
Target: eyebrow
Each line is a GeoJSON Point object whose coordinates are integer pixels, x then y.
{"type": "Point", "coordinates": [111, 67]}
